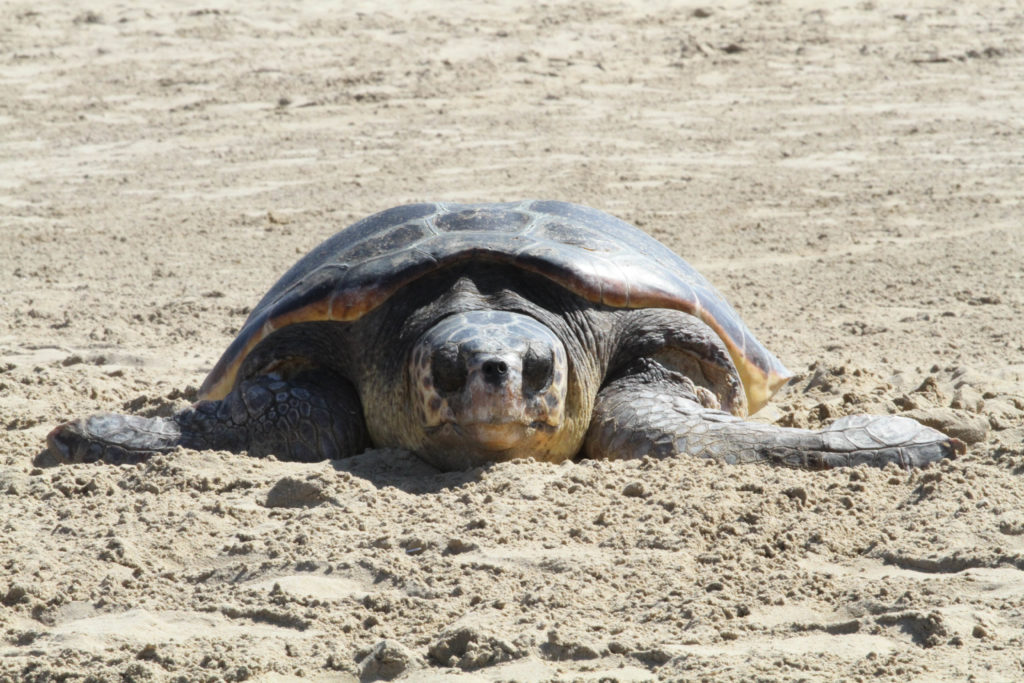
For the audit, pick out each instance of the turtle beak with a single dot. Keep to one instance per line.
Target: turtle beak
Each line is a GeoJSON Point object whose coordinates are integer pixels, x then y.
{"type": "Point", "coordinates": [493, 393]}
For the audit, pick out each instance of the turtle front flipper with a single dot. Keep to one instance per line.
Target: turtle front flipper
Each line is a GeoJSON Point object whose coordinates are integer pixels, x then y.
{"type": "Point", "coordinates": [312, 416]}
{"type": "Point", "coordinates": [117, 439]}
{"type": "Point", "coordinates": [654, 411]}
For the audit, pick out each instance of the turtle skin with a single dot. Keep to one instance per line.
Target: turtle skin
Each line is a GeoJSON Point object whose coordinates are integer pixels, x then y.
{"type": "Point", "coordinates": [478, 333]}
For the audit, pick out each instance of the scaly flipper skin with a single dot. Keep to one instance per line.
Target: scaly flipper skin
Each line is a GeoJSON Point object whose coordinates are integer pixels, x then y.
{"type": "Point", "coordinates": [310, 417]}
{"type": "Point", "coordinates": [649, 410]}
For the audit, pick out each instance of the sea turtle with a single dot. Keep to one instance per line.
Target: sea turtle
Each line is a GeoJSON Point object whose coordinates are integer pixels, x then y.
{"type": "Point", "coordinates": [472, 333]}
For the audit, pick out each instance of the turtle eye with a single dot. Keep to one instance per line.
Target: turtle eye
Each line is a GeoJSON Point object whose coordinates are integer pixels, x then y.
{"type": "Point", "coordinates": [537, 367]}
{"type": "Point", "coordinates": [449, 372]}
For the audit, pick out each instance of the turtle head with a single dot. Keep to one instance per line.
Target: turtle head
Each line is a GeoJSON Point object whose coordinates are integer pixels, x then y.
{"type": "Point", "coordinates": [489, 386]}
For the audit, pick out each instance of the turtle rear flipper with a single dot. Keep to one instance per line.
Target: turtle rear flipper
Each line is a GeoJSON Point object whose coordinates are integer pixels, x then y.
{"type": "Point", "coordinates": [311, 416]}
{"type": "Point", "coordinates": [654, 411]}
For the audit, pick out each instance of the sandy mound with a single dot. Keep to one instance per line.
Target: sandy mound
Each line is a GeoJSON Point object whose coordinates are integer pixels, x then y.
{"type": "Point", "coordinates": [850, 178]}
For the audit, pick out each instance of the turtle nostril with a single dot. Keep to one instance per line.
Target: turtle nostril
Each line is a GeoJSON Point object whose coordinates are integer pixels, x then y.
{"type": "Point", "coordinates": [495, 371]}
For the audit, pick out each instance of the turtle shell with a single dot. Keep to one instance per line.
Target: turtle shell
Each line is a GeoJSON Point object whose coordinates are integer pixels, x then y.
{"type": "Point", "coordinates": [591, 253]}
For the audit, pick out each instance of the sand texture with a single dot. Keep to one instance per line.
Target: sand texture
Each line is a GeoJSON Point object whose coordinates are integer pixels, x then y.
{"type": "Point", "coordinates": [850, 178]}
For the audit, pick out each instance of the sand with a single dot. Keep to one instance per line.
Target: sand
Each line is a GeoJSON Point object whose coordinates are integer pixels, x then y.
{"type": "Point", "coordinates": [850, 178]}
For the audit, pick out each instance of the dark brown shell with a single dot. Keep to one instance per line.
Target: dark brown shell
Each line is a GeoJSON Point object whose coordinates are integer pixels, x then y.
{"type": "Point", "coordinates": [587, 251]}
